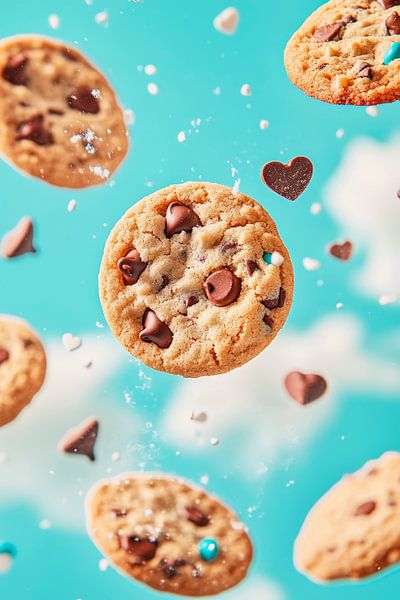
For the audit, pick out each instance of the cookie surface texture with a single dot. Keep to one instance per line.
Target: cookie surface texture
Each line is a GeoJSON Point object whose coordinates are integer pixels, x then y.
{"type": "Point", "coordinates": [345, 53]}
{"type": "Point", "coordinates": [168, 534]}
{"type": "Point", "coordinates": [354, 529]}
{"type": "Point", "coordinates": [187, 283]}
{"type": "Point", "coordinates": [60, 119]}
{"type": "Point", "coordinates": [22, 367]}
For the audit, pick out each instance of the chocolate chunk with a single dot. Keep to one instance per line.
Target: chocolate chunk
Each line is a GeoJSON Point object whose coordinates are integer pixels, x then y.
{"type": "Point", "coordinates": [222, 287]}
{"type": "Point", "coordinates": [163, 283]}
{"type": "Point", "coordinates": [82, 439]}
{"type": "Point", "coordinates": [288, 180]}
{"type": "Point", "coordinates": [70, 54]}
{"type": "Point", "coordinates": [119, 512]}
{"type": "Point", "coordinates": [190, 300]}
{"type": "Point", "coordinates": [393, 23]}
{"type": "Point", "coordinates": [364, 69]}
{"type": "Point", "coordinates": [4, 355]}
{"type": "Point", "coordinates": [19, 240]}
{"type": "Point", "coordinates": [365, 509]}
{"type": "Point", "coordinates": [27, 343]}
{"type": "Point", "coordinates": [342, 251]}
{"type": "Point", "coordinates": [180, 217]}
{"type": "Point", "coordinates": [282, 298]}
{"type": "Point", "coordinates": [349, 19]}
{"type": "Point", "coordinates": [84, 101]}
{"type": "Point", "coordinates": [196, 516]}
{"type": "Point", "coordinates": [142, 549]}
{"type": "Point", "coordinates": [229, 247]}
{"type": "Point", "coordinates": [305, 388]}
{"type": "Point", "coordinates": [389, 3]}
{"type": "Point", "coordinates": [251, 267]}
{"type": "Point", "coordinates": [170, 568]}
{"type": "Point", "coordinates": [15, 70]}
{"type": "Point", "coordinates": [268, 321]}
{"type": "Point", "coordinates": [34, 130]}
{"type": "Point", "coordinates": [131, 267]}
{"type": "Point", "coordinates": [327, 33]}
{"type": "Point", "coordinates": [277, 302]}
{"type": "Point", "coordinates": [56, 111]}
{"type": "Point", "coordinates": [154, 330]}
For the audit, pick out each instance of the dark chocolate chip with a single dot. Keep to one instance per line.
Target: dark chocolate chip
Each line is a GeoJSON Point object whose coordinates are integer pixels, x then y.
{"type": "Point", "coordinates": [305, 388]}
{"type": "Point", "coordinates": [142, 549]}
{"type": "Point", "coordinates": [154, 330]}
{"type": "Point", "coordinates": [251, 267]}
{"type": "Point", "coordinates": [70, 54]}
{"type": "Point", "coordinates": [222, 287]}
{"type": "Point", "coordinates": [365, 509]}
{"type": "Point", "coordinates": [277, 302]}
{"type": "Point", "coordinates": [83, 439]}
{"type": "Point", "coordinates": [56, 111]}
{"type": "Point", "coordinates": [364, 69]}
{"type": "Point", "coordinates": [393, 24]}
{"type": "Point", "coordinates": [282, 298]}
{"type": "Point", "coordinates": [119, 512]}
{"type": "Point", "coordinates": [15, 70]}
{"type": "Point", "coordinates": [4, 355]}
{"type": "Point", "coordinates": [268, 321]}
{"type": "Point", "coordinates": [196, 516]}
{"type": "Point", "coordinates": [27, 343]}
{"type": "Point", "coordinates": [131, 267]}
{"type": "Point", "coordinates": [163, 283]}
{"type": "Point", "coordinates": [389, 3]}
{"type": "Point", "coordinates": [342, 251]}
{"type": "Point", "coordinates": [327, 33]}
{"type": "Point", "coordinates": [288, 180]}
{"type": "Point", "coordinates": [34, 130]}
{"type": "Point", "coordinates": [190, 301]}
{"type": "Point", "coordinates": [19, 240]}
{"type": "Point", "coordinates": [180, 217]}
{"type": "Point", "coordinates": [229, 247]}
{"type": "Point", "coordinates": [349, 19]}
{"type": "Point", "coordinates": [84, 101]}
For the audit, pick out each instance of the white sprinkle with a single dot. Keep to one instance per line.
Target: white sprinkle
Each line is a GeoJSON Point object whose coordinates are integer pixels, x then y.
{"type": "Point", "coordinates": [236, 186]}
{"type": "Point", "coordinates": [71, 342]}
{"type": "Point", "coordinates": [54, 21]}
{"type": "Point", "coordinates": [6, 561]}
{"type": "Point", "coordinates": [99, 171]}
{"type": "Point", "coordinates": [150, 70]}
{"type": "Point", "coordinates": [372, 111]}
{"type": "Point", "coordinates": [181, 137]}
{"type": "Point", "coordinates": [102, 17]}
{"type": "Point", "coordinates": [99, 325]}
{"type": "Point", "coordinates": [339, 305]}
{"type": "Point", "coordinates": [311, 264]}
{"type": "Point", "coordinates": [217, 91]}
{"type": "Point", "coordinates": [95, 93]}
{"type": "Point", "coordinates": [103, 564]}
{"type": "Point", "coordinates": [340, 134]}
{"type": "Point", "coordinates": [200, 417]}
{"type": "Point", "coordinates": [45, 524]}
{"type": "Point", "coordinates": [71, 205]}
{"type": "Point", "coordinates": [227, 21]}
{"type": "Point", "coordinates": [264, 124]}
{"type": "Point", "coordinates": [152, 88]}
{"type": "Point", "coordinates": [115, 456]}
{"type": "Point", "coordinates": [214, 441]}
{"type": "Point", "coordinates": [204, 479]}
{"type": "Point", "coordinates": [277, 259]}
{"type": "Point", "coordinates": [245, 90]}
{"type": "Point", "coordinates": [388, 299]}
{"type": "Point", "coordinates": [129, 117]}
{"type": "Point", "coordinates": [315, 208]}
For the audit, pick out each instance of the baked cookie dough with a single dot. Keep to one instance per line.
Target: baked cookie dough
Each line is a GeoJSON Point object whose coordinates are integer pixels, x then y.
{"type": "Point", "coordinates": [168, 534]}
{"type": "Point", "coordinates": [22, 366]}
{"type": "Point", "coordinates": [354, 530]}
{"type": "Point", "coordinates": [347, 52]}
{"type": "Point", "coordinates": [195, 279]}
{"type": "Point", "coordinates": [60, 120]}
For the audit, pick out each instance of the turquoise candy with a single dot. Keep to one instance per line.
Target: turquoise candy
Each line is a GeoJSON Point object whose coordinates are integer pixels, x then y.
{"type": "Point", "coordinates": [8, 548]}
{"type": "Point", "coordinates": [392, 53]}
{"type": "Point", "coordinates": [208, 549]}
{"type": "Point", "coordinates": [267, 257]}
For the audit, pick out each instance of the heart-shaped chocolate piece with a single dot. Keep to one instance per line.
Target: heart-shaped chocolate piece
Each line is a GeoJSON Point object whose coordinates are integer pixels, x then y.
{"type": "Point", "coordinates": [342, 251]}
{"type": "Point", "coordinates": [305, 388]}
{"type": "Point", "coordinates": [288, 180]}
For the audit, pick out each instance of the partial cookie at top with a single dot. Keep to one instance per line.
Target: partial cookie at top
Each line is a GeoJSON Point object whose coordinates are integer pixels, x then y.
{"type": "Point", "coordinates": [22, 366]}
{"type": "Point", "coordinates": [60, 119]}
{"type": "Point", "coordinates": [347, 52]}
{"type": "Point", "coordinates": [354, 529]}
{"type": "Point", "coordinates": [188, 283]}
{"type": "Point", "coordinates": [168, 534]}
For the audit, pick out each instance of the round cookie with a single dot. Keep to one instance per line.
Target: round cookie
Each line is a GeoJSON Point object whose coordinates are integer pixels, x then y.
{"type": "Point", "coordinates": [347, 52]}
{"type": "Point", "coordinates": [187, 282]}
{"type": "Point", "coordinates": [22, 366]}
{"type": "Point", "coordinates": [60, 119]}
{"type": "Point", "coordinates": [168, 534]}
{"type": "Point", "coordinates": [354, 529]}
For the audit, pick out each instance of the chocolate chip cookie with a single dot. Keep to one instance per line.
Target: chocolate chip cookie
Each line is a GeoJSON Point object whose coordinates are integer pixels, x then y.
{"type": "Point", "coordinates": [195, 279]}
{"type": "Point", "coordinates": [59, 118]}
{"type": "Point", "coordinates": [22, 366]}
{"type": "Point", "coordinates": [354, 530]}
{"type": "Point", "coordinates": [168, 534]}
{"type": "Point", "coordinates": [348, 52]}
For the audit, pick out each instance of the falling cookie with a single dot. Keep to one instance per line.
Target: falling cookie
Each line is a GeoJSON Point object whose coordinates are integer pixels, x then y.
{"type": "Point", "coordinates": [305, 387]}
{"type": "Point", "coordinates": [347, 52]}
{"type": "Point", "coordinates": [22, 366]}
{"type": "Point", "coordinates": [19, 240]}
{"type": "Point", "coordinates": [195, 279]}
{"type": "Point", "coordinates": [289, 180]}
{"type": "Point", "coordinates": [60, 119]}
{"type": "Point", "coordinates": [354, 529]}
{"type": "Point", "coordinates": [81, 439]}
{"type": "Point", "coordinates": [168, 534]}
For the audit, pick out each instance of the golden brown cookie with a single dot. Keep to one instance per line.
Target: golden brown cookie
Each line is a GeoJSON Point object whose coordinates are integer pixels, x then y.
{"type": "Point", "coordinates": [348, 52]}
{"type": "Point", "coordinates": [22, 366]}
{"type": "Point", "coordinates": [60, 120]}
{"type": "Point", "coordinates": [168, 534]}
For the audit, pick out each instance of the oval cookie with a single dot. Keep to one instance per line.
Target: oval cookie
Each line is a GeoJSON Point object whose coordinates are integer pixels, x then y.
{"type": "Point", "coordinates": [195, 279]}
{"type": "Point", "coordinates": [168, 534]}
{"type": "Point", "coordinates": [22, 366]}
{"type": "Point", "coordinates": [60, 119]}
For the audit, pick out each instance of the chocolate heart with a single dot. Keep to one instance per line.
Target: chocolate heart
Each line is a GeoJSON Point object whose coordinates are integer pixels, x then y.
{"type": "Point", "coordinates": [342, 251]}
{"type": "Point", "coordinates": [288, 180]}
{"type": "Point", "coordinates": [305, 388]}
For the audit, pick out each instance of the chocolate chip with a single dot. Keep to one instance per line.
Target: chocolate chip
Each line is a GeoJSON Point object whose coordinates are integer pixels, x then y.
{"type": "Point", "coordinates": [180, 217]}
{"type": "Point", "coordinates": [142, 549]}
{"type": "Point", "coordinates": [163, 283]}
{"type": "Point", "coordinates": [282, 298]}
{"type": "Point", "coordinates": [229, 247]}
{"type": "Point", "coordinates": [389, 3]}
{"type": "Point", "coordinates": [268, 321]}
{"type": "Point", "coordinates": [55, 111]}
{"type": "Point", "coordinates": [349, 19]}
{"type": "Point", "coordinates": [15, 70]}
{"type": "Point", "coordinates": [342, 251]}
{"type": "Point", "coordinates": [222, 287]}
{"type": "Point", "coordinates": [4, 355]}
{"type": "Point", "coordinates": [170, 572]}
{"type": "Point", "coordinates": [19, 240]}
{"type": "Point", "coordinates": [190, 301]}
{"type": "Point", "coordinates": [196, 516]}
{"type": "Point", "coordinates": [27, 343]}
{"type": "Point", "coordinates": [327, 33]}
{"type": "Point", "coordinates": [119, 512]}
{"type": "Point", "coordinates": [365, 509]}
{"type": "Point", "coordinates": [69, 54]}
{"type": "Point", "coordinates": [84, 101]}
{"type": "Point", "coordinates": [251, 267]}
{"type": "Point", "coordinates": [154, 330]}
{"type": "Point", "coordinates": [305, 388]}
{"type": "Point", "coordinates": [83, 439]}
{"type": "Point", "coordinates": [131, 267]}
{"type": "Point", "coordinates": [364, 69]}
{"type": "Point", "coordinates": [170, 568]}
{"type": "Point", "coordinates": [393, 23]}
{"type": "Point", "coordinates": [288, 180]}
{"type": "Point", "coordinates": [277, 302]}
{"type": "Point", "coordinates": [34, 130]}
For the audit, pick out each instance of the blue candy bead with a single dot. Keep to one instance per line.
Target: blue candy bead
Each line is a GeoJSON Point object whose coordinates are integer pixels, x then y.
{"type": "Point", "coordinates": [208, 549]}
{"type": "Point", "coordinates": [267, 257]}
{"type": "Point", "coordinates": [8, 548]}
{"type": "Point", "coordinates": [392, 53]}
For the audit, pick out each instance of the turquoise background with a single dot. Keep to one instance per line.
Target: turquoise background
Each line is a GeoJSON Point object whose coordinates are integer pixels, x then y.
{"type": "Point", "coordinates": [57, 289]}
